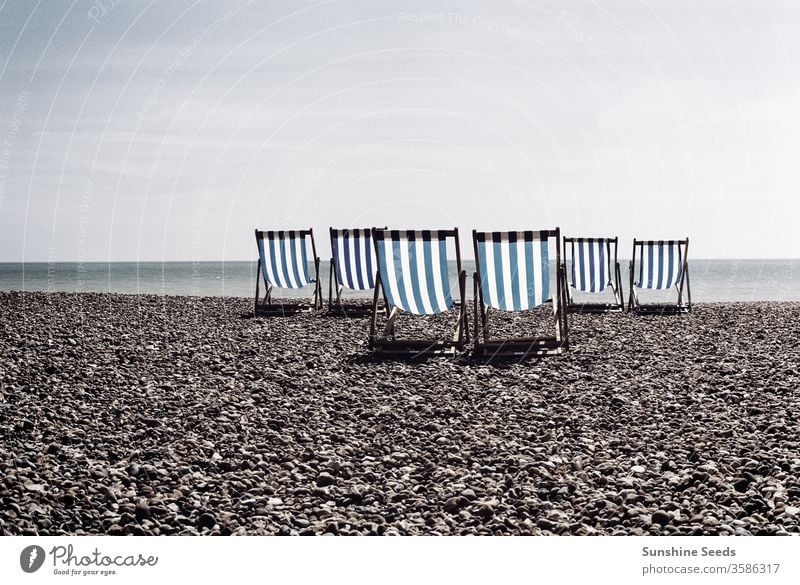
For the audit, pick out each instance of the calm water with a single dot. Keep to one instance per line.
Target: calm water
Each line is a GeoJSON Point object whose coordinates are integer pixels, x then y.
{"type": "Point", "coordinates": [711, 280]}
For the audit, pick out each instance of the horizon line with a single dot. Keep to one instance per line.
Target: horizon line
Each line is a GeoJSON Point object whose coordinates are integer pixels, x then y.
{"type": "Point", "coordinates": [321, 260]}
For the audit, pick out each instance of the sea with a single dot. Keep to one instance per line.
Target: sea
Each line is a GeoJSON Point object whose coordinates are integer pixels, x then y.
{"type": "Point", "coordinates": [712, 280]}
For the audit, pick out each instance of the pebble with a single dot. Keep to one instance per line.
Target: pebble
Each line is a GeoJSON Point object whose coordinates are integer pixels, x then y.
{"type": "Point", "coordinates": [213, 423]}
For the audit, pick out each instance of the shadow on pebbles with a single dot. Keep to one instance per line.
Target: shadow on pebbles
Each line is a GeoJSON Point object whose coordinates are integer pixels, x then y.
{"type": "Point", "coordinates": [168, 415]}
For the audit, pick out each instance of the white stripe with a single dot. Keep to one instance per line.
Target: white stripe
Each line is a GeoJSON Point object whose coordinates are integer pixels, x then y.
{"type": "Point", "coordinates": [390, 278]}
{"type": "Point", "coordinates": [304, 272]}
{"type": "Point", "coordinates": [584, 253]}
{"type": "Point", "coordinates": [598, 268]}
{"type": "Point", "coordinates": [302, 269]}
{"type": "Point", "coordinates": [408, 286]}
{"type": "Point", "coordinates": [644, 266]}
{"type": "Point", "coordinates": [604, 273]}
{"type": "Point", "coordinates": [427, 303]}
{"type": "Point", "coordinates": [365, 268]}
{"type": "Point", "coordinates": [267, 263]}
{"type": "Point", "coordinates": [287, 261]}
{"type": "Point", "coordinates": [490, 273]}
{"type": "Point", "coordinates": [537, 272]}
{"type": "Point", "coordinates": [278, 264]}
{"type": "Point", "coordinates": [522, 270]}
{"type": "Point", "coordinates": [441, 301]}
{"type": "Point", "coordinates": [505, 260]}
{"type": "Point", "coordinates": [340, 255]}
{"type": "Point", "coordinates": [354, 265]}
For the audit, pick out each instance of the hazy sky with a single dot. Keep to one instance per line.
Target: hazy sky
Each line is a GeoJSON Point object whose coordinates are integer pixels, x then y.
{"type": "Point", "coordinates": [169, 130]}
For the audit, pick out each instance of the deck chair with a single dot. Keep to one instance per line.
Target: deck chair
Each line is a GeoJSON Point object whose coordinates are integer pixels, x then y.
{"type": "Point", "coordinates": [353, 266]}
{"type": "Point", "coordinates": [283, 263]}
{"type": "Point", "coordinates": [660, 264]}
{"type": "Point", "coordinates": [593, 268]}
{"type": "Point", "coordinates": [413, 278]}
{"type": "Point", "coordinates": [513, 274]}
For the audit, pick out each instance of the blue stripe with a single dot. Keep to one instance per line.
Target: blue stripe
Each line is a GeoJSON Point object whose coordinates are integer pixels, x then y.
{"type": "Point", "coordinates": [304, 262]}
{"type": "Point", "coordinates": [592, 275]}
{"type": "Point", "coordinates": [416, 283]}
{"type": "Point", "coordinates": [660, 279]}
{"type": "Point", "coordinates": [335, 254]}
{"type": "Point", "coordinates": [641, 266]}
{"type": "Point", "coordinates": [370, 260]}
{"type": "Point", "coordinates": [401, 302]}
{"type": "Point", "coordinates": [260, 244]}
{"type": "Point", "coordinates": [545, 288]}
{"type": "Point", "coordinates": [285, 274]}
{"type": "Point", "coordinates": [298, 268]}
{"type": "Point", "coordinates": [348, 271]}
{"type": "Point", "coordinates": [529, 268]}
{"type": "Point", "coordinates": [427, 247]}
{"type": "Point", "coordinates": [513, 262]}
{"type": "Point", "coordinates": [650, 272]}
{"type": "Point", "coordinates": [357, 244]}
{"type": "Point", "coordinates": [448, 299]}
{"type": "Point", "coordinates": [483, 274]}
{"type": "Point", "coordinates": [671, 257]}
{"type": "Point", "coordinates": [603, 266]}
{"type": "Point", "coordinates": [582, 263]}
{"type": "Point", "coordinates": [498, 273]}
{"type": "Point", "coordinates": [273, 263]}
{"type": "Point", "coordinates": [383, 270]}
{"type": "Point", "coordinates": [574, 265]}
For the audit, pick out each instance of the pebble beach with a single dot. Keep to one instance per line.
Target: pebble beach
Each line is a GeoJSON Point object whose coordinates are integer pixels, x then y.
{"type": "Point", "coordinates": [159, 415]}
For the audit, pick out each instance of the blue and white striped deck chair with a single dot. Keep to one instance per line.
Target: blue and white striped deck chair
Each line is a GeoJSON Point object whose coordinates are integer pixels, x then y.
{"type": "Point", "coordinates": [414, 278]}
{"type": "Point", "coordinates": [353, 266]}
{"type": "Point", "coordinates": [513, 273]}
{"type": "Point", "coordinates": [593, 269]}
{"type": "Point", "coordinates": [283, 263]}
{"type": "Point", "coordinates": [661, 265]}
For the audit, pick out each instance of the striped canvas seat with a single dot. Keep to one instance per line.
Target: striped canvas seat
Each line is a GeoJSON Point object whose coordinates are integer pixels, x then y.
{"type": "Point", "coordinates": [283, 263]}
{"type": "Point", "coordinates": [353, 258]}
{"type": "Point", "coordinates": [413, 277]}
{"type": "Point", "coordinates": [514, 269]}
{"type": "Point", "coordinates": [660, 265]}
{"type": "Point", "coordinates": [413, 271]}
{"type": "Point", "coordinates": [593, 269]}
{"type": "Point", "coordinates": [590, 264]}
{"type": "Point", "coordinates": [513, 274]}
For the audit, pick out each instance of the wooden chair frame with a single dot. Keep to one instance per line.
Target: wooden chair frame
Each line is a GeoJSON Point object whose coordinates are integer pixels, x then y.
{"type": "Point", "coordinates": [613, 269]}
{"type": "Point", "coordinates": [386, 344]}
{"type": "Point", "coordinates": [335, 305]}
{"type": "Point", "coordinates": [267, 306]}
{"type": "Point", "coordinates": [520, 347]}
{"type": "Point", "coordinates": [661, 308]}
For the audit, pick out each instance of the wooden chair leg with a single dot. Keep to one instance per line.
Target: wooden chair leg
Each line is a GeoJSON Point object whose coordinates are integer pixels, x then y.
{"type": "Point", "coordinates": [388, 330]}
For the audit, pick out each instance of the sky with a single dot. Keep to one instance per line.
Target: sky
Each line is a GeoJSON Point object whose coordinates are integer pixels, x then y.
{"type": "Point", "coordinates": [152, 130]}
